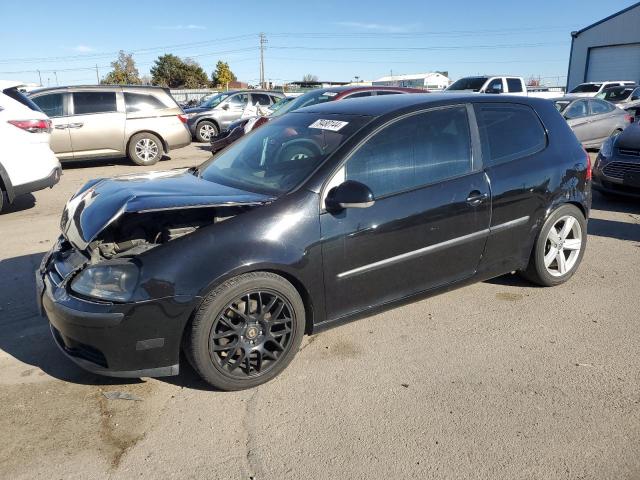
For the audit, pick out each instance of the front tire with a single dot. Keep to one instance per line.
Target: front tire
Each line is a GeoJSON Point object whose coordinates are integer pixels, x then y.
{"type": "Point", "coordinates": [246, 331]}
{"type": "Point", "coordinates": [145, 149]}
{"type": "Point", "coordinates": [205, 131]}
{"type": "Point", "coordinates": [559, 247]}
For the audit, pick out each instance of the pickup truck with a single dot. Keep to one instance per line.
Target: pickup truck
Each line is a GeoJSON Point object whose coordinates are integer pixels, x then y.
{"type": "Point", "coordinates": [502, 84]}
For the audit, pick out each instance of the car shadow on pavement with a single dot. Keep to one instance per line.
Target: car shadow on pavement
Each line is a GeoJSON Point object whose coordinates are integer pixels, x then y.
{"type": "Point", "coordinates": [103, 162]}
{"type": "Point", "coordinates": [615, 203]}
{"type": "Point", "coordinates": [25, 335]}
{"type": "Point", "coordinates": [614, 229]}
{"type": "Point", "coordinates": [21, 202]}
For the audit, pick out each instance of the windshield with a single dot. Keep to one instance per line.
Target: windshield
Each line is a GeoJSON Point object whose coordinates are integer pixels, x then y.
{"type": "Point", "coordinates": [587, 88]}
{"type": "Point", "coordinates": [276, 157]}
{"type": "Point", "coordinates": [280, 103]}
{"type": "Point", "coordinates": [214, 101]}
{"type": "Point", "coordinates": [615, 94]}
{"type": "Point", "coordinates": [468, 83]}
{"type": "Point", "coordinates": [310, 98]}
{"type": "Point", "coordinates": [561, 105]}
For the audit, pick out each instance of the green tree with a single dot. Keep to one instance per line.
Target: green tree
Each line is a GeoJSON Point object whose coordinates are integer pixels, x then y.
{"type": "Point", "coordinates": [222, 75]}
{"type": "Point", "coordinates": [171, 71]}
{"type": "Point", "coordinates": [124, 71]}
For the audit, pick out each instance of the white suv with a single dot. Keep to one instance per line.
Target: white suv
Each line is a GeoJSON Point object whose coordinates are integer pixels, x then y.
{"type": "Point", "coordinates": [27, 163]}
{"type": "Point", "coordinates": [591, 89]}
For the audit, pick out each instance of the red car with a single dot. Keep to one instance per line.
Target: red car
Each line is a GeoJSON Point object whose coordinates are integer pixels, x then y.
{"type": "Point", "coordinates": [313, 97]}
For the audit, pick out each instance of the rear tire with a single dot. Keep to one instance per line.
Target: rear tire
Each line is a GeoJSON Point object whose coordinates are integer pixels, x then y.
{"type": "Point", "coordinates": [2, 202]}
{"type": "Point", "coordinates": [145, 149]}
{"type": "Point", "coordinates": [246, 331]}
{"type": "Point", "coordinates": [557, 254]}
{"type": "Point", "coordinates": [205, 131]}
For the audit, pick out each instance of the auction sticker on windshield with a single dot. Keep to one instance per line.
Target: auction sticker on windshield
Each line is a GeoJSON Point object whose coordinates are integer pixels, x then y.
{"type": "Point", "coordinates": [333, 125]}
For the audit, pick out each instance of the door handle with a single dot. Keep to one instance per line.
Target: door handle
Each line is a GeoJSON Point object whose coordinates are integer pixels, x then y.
{"type": "Point", "coordinates": [60, 127]}
{"type": "Point", "coordinates": [75, 125]}
{"type": "Point", "coordinates": [475, 198]}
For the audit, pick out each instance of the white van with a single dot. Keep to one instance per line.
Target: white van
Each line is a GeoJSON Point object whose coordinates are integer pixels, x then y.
{"type": "Point", "coordinates": [27, 163]}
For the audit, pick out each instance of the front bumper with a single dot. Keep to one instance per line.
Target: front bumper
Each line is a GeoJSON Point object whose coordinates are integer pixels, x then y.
{"type": "Point", "coordinates": [617, 175]}
{"type": "Point", "coordinates": [119, 340]}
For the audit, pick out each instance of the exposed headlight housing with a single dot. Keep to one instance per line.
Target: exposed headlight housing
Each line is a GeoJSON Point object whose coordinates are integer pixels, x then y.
{"type": "Point", "coordinates": [115, 282]}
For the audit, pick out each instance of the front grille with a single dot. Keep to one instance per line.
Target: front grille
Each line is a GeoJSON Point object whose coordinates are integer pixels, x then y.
{"type": "Point", "coordinates": [629, 152]}
{"type": "Point", "coordinates": [619, 169]}
{"type": "Point", "coordinates": [80, 350]}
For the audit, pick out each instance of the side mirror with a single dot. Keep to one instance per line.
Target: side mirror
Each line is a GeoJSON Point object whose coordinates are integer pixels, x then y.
{"type": "Point", "coordinates": [492, 91]}
{"type": "Point", "coordinates": [225, 106]}
{"type": "Point", "coordinates": [350, 194]}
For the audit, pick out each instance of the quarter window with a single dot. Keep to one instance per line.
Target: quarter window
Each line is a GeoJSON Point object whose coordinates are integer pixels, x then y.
{"type": "Point", "coordinates": [418, 150]}
{"type": "Point", "coordinates": [509, 132]}
{"type": "Point", "coordinates": [137, 102]}
{"type": "Point", "coordinates": [598, 107]}
{"type": "Point", "coordinates": [94, 102]}
{"type": "Point", "coordinates": [52, 104]}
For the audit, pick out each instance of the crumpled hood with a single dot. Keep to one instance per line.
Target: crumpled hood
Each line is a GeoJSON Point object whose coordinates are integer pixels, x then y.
{"type": "Point", "coordinates": [100, 202]}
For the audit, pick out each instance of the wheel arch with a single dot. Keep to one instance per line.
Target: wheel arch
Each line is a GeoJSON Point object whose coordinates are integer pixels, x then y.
{"type": "Point", "coordinates": [5, 184]}
{"type": "Point", "coordinates": [165, 146]}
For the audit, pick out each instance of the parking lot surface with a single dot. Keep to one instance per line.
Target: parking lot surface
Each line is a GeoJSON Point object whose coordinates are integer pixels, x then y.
{"type": "Point", "coordinates": [497, 380]}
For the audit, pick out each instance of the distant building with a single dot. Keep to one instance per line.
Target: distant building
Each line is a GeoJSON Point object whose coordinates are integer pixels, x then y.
{"type": "Point", "coordinates": [607, 50]}
{"type": "Point", "coordinates": [316, 84]}
{"type": "Point", "coordinates": [237, 85]}
{"type": "Point", "coordinates": [430, 81]}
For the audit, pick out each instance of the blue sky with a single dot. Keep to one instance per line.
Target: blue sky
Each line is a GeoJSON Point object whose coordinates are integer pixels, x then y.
{"type": "Point", "coordinates": [335, 40]}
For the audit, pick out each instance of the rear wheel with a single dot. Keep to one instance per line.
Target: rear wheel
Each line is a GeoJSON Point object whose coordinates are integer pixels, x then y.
{"type": "Point", "coordinates": [559, 247]}
{"type": "Point", "coordinates": [205, 131]}
{"type": "Point", "coordinates": [145, 149]}
{"type": "Point", "coordinates": [246, 331]}
{"type": "Point", "coordinates": [2, 202]}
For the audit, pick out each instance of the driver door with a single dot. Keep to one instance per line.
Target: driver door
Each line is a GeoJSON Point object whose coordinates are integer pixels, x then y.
{"type": "Point", "coordinates": [231, 109]}
{"type": "Point", "coordinates": [428, 224]}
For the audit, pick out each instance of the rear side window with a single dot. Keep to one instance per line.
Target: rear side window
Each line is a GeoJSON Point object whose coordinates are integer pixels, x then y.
{"type": "Point", "coordinates": [16, 95]}
{"type": "Point", "coordinates": [598, 107]}
{"type": "Point", "coordinates": [359, 95]}
{"type": "Point", "coordinates": [386, 92]}
{"type": "Point", "coordinates": [94, 102]}
{"type": "Point", "coordinates": [514, 84]}
{"type": "Point", "coordinates": [51, 104]}
{"type": "Point", "coordinates": [138, 102]}
{"type": "Point", "coordinates": [509, 132]}
{"type": "Point", "coordinates": [260, 99]}
{"type": "Point", "coordinates": [418, 150]}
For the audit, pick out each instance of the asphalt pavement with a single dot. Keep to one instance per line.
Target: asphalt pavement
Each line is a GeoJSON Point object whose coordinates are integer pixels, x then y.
{"type": "Point", "coordinates": [499, 380]}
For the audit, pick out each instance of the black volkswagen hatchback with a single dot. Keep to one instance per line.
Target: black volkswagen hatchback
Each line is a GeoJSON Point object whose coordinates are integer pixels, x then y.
{"type": "Point", "coordinates": [328, 214]}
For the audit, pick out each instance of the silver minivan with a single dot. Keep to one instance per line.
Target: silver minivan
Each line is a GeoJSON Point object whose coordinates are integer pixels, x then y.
{"type": "Point", "coordinates": [139, 122]}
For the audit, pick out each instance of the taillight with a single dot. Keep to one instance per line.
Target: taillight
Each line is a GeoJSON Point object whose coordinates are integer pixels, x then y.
{"type": "Point", "coordinates": [628, 118]}
{"type": "Point", "coordinates": [182, 118]}
{"type": "Point", "coordinates": [588, 174]}
{"type": "Point", "coordinates": [33, 126]}
{"type": "Point", "coordinates": [260, 121]}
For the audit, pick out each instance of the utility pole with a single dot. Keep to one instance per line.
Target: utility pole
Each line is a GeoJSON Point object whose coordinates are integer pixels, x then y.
{"type": "Point", "coordinates": [39, 77]}
{"type": "Point", "coordinates": [263, 42]}
{"type": "Point", "coordinates": [56, 75]}
{"type": "Point", "coordinates": [97, 74]}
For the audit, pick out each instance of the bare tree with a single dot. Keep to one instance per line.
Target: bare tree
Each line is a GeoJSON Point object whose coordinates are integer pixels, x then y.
{"type": "Point", "coordinates": [310, 78]}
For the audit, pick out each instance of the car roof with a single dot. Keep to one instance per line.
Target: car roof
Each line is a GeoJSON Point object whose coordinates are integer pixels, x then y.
{"type": "Point", "coordinates": [382, 105]}
{"type": "Point", "coordinates": [94, 87]}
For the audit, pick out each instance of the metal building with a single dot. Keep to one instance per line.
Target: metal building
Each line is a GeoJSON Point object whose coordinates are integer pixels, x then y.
{"type": "Point", "coordinates": [607, 50]}
{"type": "Point", "coordinates": [430, 80]}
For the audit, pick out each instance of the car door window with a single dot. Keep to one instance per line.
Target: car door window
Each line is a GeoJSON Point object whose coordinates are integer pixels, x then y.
{"type": "Point", "coordinates": [386, 92]}
{"type": "Point", "coordinates": [418, 150]}
{"type": "Point", "coordinates": [52, 105]}
{"type": "Point", "coordinates": [577, 110]}
{"type": "Point", "coordinates": [598, 107]}
{"type": "Point", "coordinates": [94, 102]}
{"type": "Point", "coordinates": [136, 102]}
{"type": "Point", "coordinates": [514, 84]}
{"type": "Point", "coordinates": [260, 99]}
{"type": "Point", "coordinates": [358, 95]}
{"type": "Point", "coordinates": [508, 132]}
{"type": "Point", "coordinates": [239, 101]}
{"type": "Point", "coordinates": [495, 86]}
